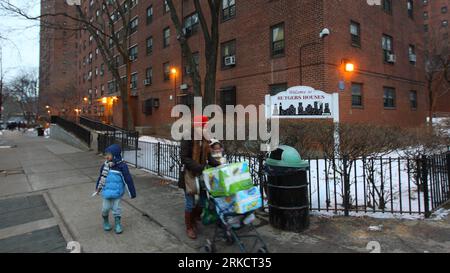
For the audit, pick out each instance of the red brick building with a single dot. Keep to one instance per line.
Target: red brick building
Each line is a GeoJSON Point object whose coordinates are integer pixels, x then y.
{"type": "Point", "coordinates": [58, 59]}
{"type": "Point", "coordinates": [268, 46]}
{"type": "Point", "coordinates": [436, 16]}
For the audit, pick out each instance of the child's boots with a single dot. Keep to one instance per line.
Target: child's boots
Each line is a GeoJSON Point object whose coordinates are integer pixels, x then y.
{"type": "Point", "coordinates": [118, 226]}
{"type": "Point", "coordinates": [106, 225]}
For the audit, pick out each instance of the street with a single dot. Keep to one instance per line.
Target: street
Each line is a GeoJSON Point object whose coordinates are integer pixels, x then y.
{"type": "Point", "coordinates": [45, 203]}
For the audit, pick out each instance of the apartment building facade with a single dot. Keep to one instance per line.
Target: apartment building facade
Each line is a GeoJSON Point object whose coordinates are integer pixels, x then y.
{"type": "Point", "coordinates": [58, 60]}
{"type": "Point", "coordinates": [266, 47]}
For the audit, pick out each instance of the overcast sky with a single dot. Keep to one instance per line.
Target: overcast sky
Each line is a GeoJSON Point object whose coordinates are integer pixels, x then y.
{"type": "Point", "coordinates": [21, 47]}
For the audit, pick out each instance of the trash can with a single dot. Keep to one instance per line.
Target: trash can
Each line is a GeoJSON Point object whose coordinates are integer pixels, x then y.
{"type": "Point", "coordinates": [287, 189]}
{"type": "Point", "coordinates": [40, 131]}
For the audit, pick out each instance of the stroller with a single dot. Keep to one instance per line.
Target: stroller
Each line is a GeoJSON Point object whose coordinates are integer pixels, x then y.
{"type": "Point", "coordinates": [231, 228]}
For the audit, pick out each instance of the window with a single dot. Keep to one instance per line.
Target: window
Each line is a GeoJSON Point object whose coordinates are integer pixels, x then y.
{"type": "Point", "coordinates": [355, 32]}
{"type": "Point", "coordinates": [228, 9]}
{"type": "Point", "coordinates": [387, 6]}
{"type": "Point", "coordinates": [228, 54]}
{"type": "Point", "coordinates": [425, 2]}
{"type": "Point", "coordinates": [133, 53]}
{"type": "Point", "coordinates": [277, 88]}
{"type": "Point", "coordinates": [444, 23]}
{"type": "Point", "coordinates": [133, 25]}
{"type": "Point", "coordinates": [410, 6]}
{"type": "Point", "coordinates": [425, 15]}
{"type": "Point", "coordinates": [357, 95]}
{"type": "Point", "coordinates": [149, 14]}
{"type": "Point", "coordinates": [227, 97]}
{"type": "Point", "coordinates": [148, 76]}
{"type": "Point", "coordinates": [134, 81]}
{"type": "Point", "coordinates": [166, 7]}
{"type": "Point", "coordinates": [117, 60]}
{"type": "Point", "coordinates": [166, 71]}
{"type": "Point", "coordinates": [166, 37]}
{"type": "Point", "coordinates": [412, 54]}
{"type": "Point", "coordinates": [389, 97]}
{"type": "Point", "coordinates": [112, 87]}
{"type": "Point", "coordinates": [425, 28]}
{"type": "Point", "coordinates": [413, 99]}
{"type": "Point", "coordinates": [277, 40]}
{"type": "Point", "coordinates": [187, 68]}
{"type": "Point", "coordinates": [444, 10]}
{"type": "Point", "coordinates": [149, 45]}
{"type": "Point", "coordinates": [191, 23]}
{"type": "Point", "coordinates": [387, 45]}
{"type": "Point", "coordinates": [133, 3]}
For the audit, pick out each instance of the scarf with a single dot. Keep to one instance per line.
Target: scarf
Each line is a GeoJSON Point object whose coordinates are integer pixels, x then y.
{"type": "Point", "coordinates": [101, 184]}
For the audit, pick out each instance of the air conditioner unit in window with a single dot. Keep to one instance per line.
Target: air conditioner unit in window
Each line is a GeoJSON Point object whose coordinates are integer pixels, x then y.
{"type": "Point", "coordinates": [412, 58]}
{"type": "Point", "coordinates": [133, 57]}
{"type": "Point", "coordinates": [147, 82]}
{"type": "Point", "coordinates": [390, 58]}
{"type": "Point", "coordinates": [184, 86]}
{"type": "Point", "coordinates": [230, 60]}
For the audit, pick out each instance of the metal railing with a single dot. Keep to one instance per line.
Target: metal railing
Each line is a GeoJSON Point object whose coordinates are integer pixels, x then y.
{"type": "Point", "coordinates": [108, 135]}
{"type": "Point", "coordinates": [98, 125]}
{"type": "Point", "coordinates": [80, 132]}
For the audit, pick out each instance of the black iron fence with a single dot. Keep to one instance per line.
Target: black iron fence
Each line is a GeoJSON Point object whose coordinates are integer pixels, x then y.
{"type": "Point", "coordinates": [413, 186]}
{"type": "Point", "coordinates": [108, 135]}
{"type": "Point", "coordinates": [80, 132]}
{"type": "Point", "coordinates": [97, 125]}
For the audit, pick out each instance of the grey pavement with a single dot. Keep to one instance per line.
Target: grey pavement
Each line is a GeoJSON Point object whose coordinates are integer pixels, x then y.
{"type": "Point", "coordinates": [45, 202]}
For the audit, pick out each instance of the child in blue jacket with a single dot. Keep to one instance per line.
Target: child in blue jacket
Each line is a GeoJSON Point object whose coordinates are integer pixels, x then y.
{"type": "Point", "coordinates": [113, 180]}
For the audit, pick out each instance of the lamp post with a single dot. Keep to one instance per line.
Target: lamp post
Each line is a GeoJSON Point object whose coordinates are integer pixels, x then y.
{"type": "Point", "coordinates": [174, 72]}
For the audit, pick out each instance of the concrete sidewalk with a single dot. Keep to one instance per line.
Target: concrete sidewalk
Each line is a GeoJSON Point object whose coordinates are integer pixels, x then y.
{"type": "Point", "coordinates": [154, 222]}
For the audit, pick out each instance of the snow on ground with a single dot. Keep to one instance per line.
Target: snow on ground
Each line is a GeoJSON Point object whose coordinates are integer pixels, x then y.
{"type": "Point", "coordinates": [440, 214]}
{"type": "Point", "coordinates": [150, 139]}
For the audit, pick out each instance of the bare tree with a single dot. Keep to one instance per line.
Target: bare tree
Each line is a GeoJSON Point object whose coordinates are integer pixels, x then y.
{"type": "Point", "coordinates": [210, 32]}
{"type": "Point", "coordinates": [110, 29]}
{"type": "Point", "coordinates": [437, 69]}
{"type": "Point", "coordinates": [22, 90]}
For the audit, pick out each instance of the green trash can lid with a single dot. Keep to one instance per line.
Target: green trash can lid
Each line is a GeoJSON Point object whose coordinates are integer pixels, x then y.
{"type": "Point", "coordinates": [286, 156]}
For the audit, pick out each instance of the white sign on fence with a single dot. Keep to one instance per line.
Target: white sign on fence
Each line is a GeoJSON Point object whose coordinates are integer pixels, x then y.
{"type": "Point", "coordinates": [303, 102]}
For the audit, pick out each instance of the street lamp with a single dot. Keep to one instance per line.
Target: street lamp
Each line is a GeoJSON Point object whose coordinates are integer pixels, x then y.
{"type": "Point", "coordinates": [348, 66]}
{"type": "Point", "coordinates": [174, 72]}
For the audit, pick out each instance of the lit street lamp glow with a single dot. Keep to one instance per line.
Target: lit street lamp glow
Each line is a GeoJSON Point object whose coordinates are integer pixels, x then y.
{"type": "Point", "coordinates": [349, 67]}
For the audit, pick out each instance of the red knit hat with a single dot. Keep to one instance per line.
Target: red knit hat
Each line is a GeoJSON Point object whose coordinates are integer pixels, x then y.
{"type": "Point", "coordinates": [200, 121]}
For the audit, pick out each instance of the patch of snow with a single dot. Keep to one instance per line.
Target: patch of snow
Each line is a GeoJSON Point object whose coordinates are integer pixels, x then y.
{"type": "Point", "coordinates": [440, 214]}
{"type": "Point", "coordinates": [150, 139]}
{"type": "Point", "coordinates": [376, 228]}
{"type": "Point", "coordinates": [376, 215]}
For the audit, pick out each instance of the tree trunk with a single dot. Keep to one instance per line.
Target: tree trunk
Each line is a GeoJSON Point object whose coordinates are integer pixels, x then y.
{"type": "Point", "coordinates": [125, 93]}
